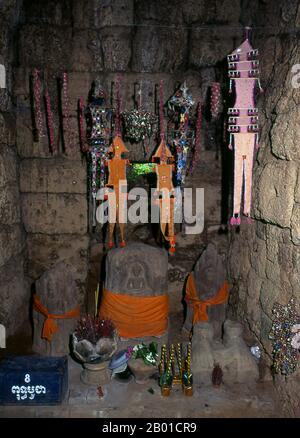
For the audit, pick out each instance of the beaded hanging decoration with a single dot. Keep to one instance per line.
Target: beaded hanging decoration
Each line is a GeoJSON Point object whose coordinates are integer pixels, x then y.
{"type": "Point", "coordinates": [37, 86]}
{"type": "Point", "coordinates": [285, 334]}
{"type": "Point", "coordinates": [139, 124]}
{"type": "Point", "coordinates": [50, 123]}
{"type": "Point", "coordinates": [215, 100]}
{"type": "Point", "coordinates": [197, 142]}
{"type": "Point", "coordinates": [98, 119]}
{"type": "Point", "coordinates": [180, 105]}
{"type": "Point", "coordinates": [243, 123]}
{"type": "Point", "coordinates": [66, 115]}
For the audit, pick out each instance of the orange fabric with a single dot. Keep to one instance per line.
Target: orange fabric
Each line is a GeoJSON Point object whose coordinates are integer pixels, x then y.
{"type": "Point", "coordinates": [136, 317]}
{"type": "Point", "coordinates": [117, 172]}
{"type": "Point", "coordinates": [50, 327]}
{"type": "Point", "coordinates": [164, 176]}
{"type": "Point", "coordinates": [200, 307]}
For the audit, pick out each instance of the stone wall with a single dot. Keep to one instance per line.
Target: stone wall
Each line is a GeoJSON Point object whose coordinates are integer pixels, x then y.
{"type": "Point", "coordinates": [264, 260]}
{"type": "Point", "coordinates": [14, 291]}
{"type": "Point", "coordinates": [145, 42]}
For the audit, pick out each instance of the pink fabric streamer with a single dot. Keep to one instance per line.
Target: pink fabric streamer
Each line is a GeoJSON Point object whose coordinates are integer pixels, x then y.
{"type": "Point", "coordinates": [50, 122]}
{"type": "Point", "coordinates": [66, 114]}
{"type": "Point", "coordinates": [215, 99]}
{"type": "Point", "coordinates": [37, 102]}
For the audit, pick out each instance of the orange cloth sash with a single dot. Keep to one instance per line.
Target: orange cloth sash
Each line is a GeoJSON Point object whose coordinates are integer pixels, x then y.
{"type": "Point", "coordinates": [199, 306]}
{"type": "Point", "coordinates": [50, 327]}
{"type": "Point", "coordinates": [136, 317]}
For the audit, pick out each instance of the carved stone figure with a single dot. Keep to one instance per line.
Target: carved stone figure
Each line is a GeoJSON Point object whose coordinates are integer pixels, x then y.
{"type": "Point", "coordinates": [232, 354]}
{"type": "Point", "coordinates": [137, 269]}
{"type": "Point", "coordinates": [135, 292]}
{"type": "Point", "coordinates": [209, 276]}
{"type": "Point", "coordinates": [58, 293]}
{"type": "Point", "coordinates": [238, 364]}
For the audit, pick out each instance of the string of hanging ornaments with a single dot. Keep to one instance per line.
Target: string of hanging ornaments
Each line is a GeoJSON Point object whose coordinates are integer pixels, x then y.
{"type": "Point", "coordinates": [139, 124]}
{"type": "Point", "coordinates": [97, 122]}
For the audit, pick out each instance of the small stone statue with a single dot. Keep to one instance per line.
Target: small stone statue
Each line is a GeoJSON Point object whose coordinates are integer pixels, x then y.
{"type": "Point", "coordinates": [58, 295]}
{"type": "Point", "coordinates": [209, 277]}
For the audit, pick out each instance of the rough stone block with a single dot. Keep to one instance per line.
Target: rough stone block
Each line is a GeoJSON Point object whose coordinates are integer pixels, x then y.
{"type": "Point", "coordinates": [86, 52]}
{"type": "Point", "coordinates": [7, 128]}
{"type": "Point", "coordinates": [115, 13]}
{"type": "Point", "coordinates": [276, 195]}
{"type": "Point", "coordinates": [269, 293]}
{"type": "Point", "coordinates": [11, 242]}
{"type": "Point", "coordinates": [116, 45]}
{"type": "Point", "coordinates": [56, 175]}
{"type": "Point", "coordinates": [208, 47]}
{"type": "Point", "coordinates": [285, 137]}
{"type": "Point", "coordinates": [44, 251]}
{"type": "Point", "coordinates": [8, 166]}
{"type": "Point", "coordinates": [44, 45]}
{"type": "Point", "coordinates": [295, 222]}
{"type": "Point", "coordinates": [9, 205]}
{"type": "Point", "coordinates": [54, 214]}
{"type": "Point", "coordinates": [49, 12]}
{"type": "Point", "coordinates": [162, 50]}
{"type": "Point", "coordinates": [14, 295]}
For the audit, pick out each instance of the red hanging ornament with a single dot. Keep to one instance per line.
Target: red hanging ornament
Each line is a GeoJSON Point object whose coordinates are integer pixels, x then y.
{"type": "Point", "coordinates": [215, 100]}
{"type": "Point", "coordinates": [37, 102]}
{"type": "Point", "coordinates": [66, 115]}
{"type": "Point", "coordinates": [50, 123]}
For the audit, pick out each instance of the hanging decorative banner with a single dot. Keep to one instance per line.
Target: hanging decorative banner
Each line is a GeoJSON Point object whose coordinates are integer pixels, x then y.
{"type": "Point", "coordinates": [117, 183]}
{"type": "Point", "coordinates": [197, 144]}
{"type": "Point", "coordinates": [215, 100]}
{"type": "Point", "coordinates": [139, 124]}
{"type": "Point", "coordinates": [37, 103]}
{"type": "Point", "coordinates": [50, 123]}
{"type": "Point", "coordinates": [66, 115]}
{"type": "Point", "coordinates": [165, 193]}
{"type": "Point", "coordinates": [180, 105]}
{"type": "Point", "coordinates": [98, 119]}
{"type": "Point", "coordinates": [82, 136]}
{"type": "Point", "coordinates": [243, 123]}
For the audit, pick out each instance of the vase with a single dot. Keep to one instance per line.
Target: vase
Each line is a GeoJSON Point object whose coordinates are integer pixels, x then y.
{"type": "Point", "coordinates": [95, 373]}
{"type": "Point", "coordinates": [187, 390]}
{"type": "Point", "coordinates": [165, 391]}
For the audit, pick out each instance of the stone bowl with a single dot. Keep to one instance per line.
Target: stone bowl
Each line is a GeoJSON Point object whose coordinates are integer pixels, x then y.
{"type": "Point", "coordinates": [141, 371]}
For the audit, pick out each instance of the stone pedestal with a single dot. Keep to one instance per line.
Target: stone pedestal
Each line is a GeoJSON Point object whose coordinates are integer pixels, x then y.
{"type": "Point", "coordinates": [95, 373]}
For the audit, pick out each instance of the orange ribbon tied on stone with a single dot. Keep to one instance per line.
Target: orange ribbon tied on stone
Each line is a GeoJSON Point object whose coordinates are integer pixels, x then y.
{"type": "Point", "coordinates": [136, 316]}
{"type": "Point", "coordinates": [199, 306]}
{"type": "Point", "coordinates": [50, 327]}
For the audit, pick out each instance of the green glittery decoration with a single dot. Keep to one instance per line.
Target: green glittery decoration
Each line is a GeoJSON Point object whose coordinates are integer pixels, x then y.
{"type": "Point", "coordinates": [139, 124]}
{"type": "Point", "coordinates": [148, 354]}
{"type": "Point", "coordinates": [187, 378]}
{"type": "Point", "coordinates": [139, 169]}
{"type": "Point", "coordinates": [285, 357]}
